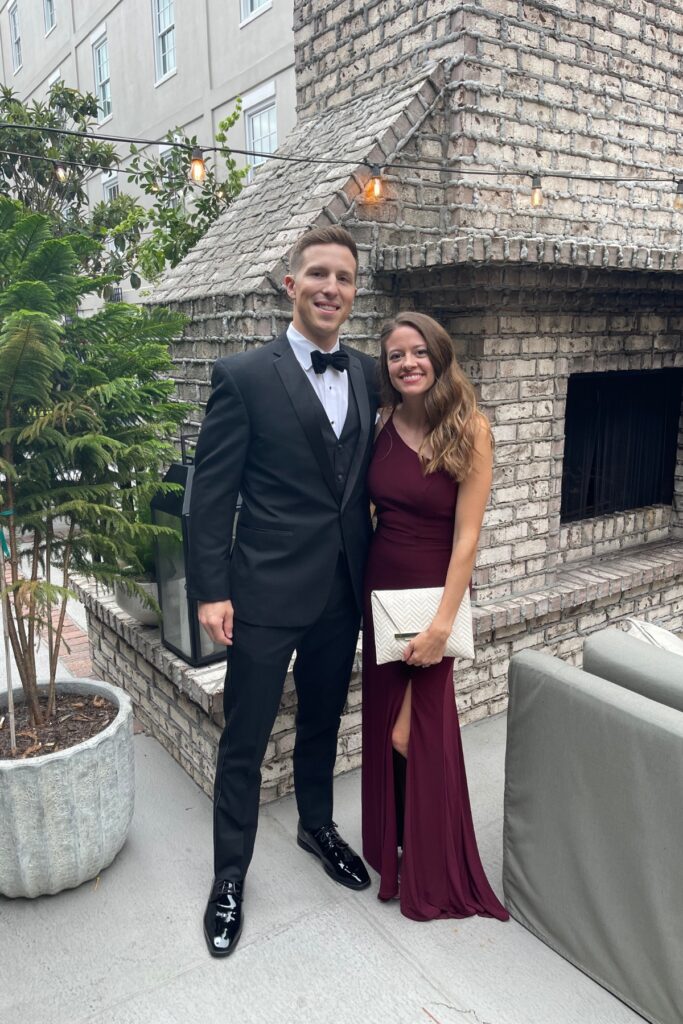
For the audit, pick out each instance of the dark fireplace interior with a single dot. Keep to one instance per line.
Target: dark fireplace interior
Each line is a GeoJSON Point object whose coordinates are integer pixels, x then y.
{"type": "Point", "coordinates": [621, 435]}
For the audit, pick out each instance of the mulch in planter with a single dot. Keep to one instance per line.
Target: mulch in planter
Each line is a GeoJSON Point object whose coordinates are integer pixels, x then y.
{"type": "Point", "coordinates": [77, 718]}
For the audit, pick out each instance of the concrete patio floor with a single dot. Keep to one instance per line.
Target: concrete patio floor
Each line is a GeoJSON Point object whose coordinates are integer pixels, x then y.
{"type": "Point", "coordinates": [128, 947]}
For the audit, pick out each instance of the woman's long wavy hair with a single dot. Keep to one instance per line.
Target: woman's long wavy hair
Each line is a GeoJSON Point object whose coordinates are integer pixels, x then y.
{"type": "Point", "coordinates": [450, 404]}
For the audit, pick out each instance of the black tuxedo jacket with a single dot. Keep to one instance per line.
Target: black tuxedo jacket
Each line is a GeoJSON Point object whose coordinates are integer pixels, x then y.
{"type": "Point", "coordinates": [263, 437]}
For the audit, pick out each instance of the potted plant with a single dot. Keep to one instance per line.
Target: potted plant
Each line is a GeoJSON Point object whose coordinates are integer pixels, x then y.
{"type": "Point", "coordinates": [136, 590]}
{"type": "Point", "coordinates": [86, 414]}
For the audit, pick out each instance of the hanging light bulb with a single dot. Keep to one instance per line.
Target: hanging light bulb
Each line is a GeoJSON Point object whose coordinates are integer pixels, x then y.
{"type": "Point", "coordinates": [536, 191]}
{"type": "Point", "coordinates": [61, 172]}
{"type": "Point", "coordinates": [374, 190]}
{"type": "Point", "coordinates": [678, 198]}
{"type": "Point", "coordinates": [197, 166]}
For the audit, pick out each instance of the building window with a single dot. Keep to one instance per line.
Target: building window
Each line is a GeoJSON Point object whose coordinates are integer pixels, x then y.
{"type": "Point", "coordinates": [110, 186]}
{"type": "Point", "coordinates": [261, 132]}
{"type": "Point", "coordinates": [15, 36]}
{"type": "Point", "coordinates": [250, 7]}
{"type": "Point", "coordinates": [100, 52]}
{"type": "Point", "coordinates": [49, 14]}
{"type": "Point", "coordinates": [621, 434]}
{"type": "Point", "coordinates": [164, 37]}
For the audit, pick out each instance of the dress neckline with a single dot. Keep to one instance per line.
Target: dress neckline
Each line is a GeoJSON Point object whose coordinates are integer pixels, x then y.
{"type": "Point", "coordinates": [398, 435]}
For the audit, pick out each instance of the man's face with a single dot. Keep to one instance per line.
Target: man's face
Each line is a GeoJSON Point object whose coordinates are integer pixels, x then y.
{"type": "Point", "coordinates": [322, 289]}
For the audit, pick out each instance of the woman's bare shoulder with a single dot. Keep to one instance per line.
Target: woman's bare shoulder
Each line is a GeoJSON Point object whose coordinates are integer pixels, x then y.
{"type": "Point", "coordinates": [481, 427]}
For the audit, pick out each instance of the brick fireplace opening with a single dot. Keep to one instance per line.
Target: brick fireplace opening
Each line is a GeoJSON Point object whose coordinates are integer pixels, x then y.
{"type": "Point", "coordinates": [621, 436]}
{"type": "Point", "coordinates": [525, 332]}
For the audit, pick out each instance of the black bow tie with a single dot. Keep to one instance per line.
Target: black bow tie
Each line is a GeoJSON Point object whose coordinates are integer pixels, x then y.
{"type": "Point", "coordinates": [321, 360]}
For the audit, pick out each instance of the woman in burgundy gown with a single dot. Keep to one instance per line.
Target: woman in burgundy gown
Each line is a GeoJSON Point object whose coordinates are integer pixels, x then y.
{"type": "Point", "coordinates": [429, 479]}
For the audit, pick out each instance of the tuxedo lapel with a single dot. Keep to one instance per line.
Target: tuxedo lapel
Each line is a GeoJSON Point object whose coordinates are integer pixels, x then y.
{"type": "Point", "coordinates": [360, 393]}
{"type": "Point", "coordinates": [306, 406]}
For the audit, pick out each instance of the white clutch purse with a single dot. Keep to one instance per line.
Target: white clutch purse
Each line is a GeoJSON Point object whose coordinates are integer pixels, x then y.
{"type": "Point", "coordinates": [399, 615]}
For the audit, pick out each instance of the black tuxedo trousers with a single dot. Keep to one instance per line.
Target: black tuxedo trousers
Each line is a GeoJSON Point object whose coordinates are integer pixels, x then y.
{"type": "Point", "coordinates": [294, 573]}
{"type": "Point", "coordinates": [257, 666]}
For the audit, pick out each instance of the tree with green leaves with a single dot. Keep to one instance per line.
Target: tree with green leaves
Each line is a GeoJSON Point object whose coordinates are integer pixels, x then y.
{"type": "Point", "coordinates": [143, 238]}
{"type": "Point", "coordinates": [33, 179]}
{"type": "Point", "coordinates": [87, 411]}
{"type": "Point", "coordinates": [181, 213]}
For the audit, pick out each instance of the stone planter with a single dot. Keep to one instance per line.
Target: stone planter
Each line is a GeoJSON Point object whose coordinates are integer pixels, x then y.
{"type": "Point", "coordinates": [66, 815]}
{"type": "Point", "coordinates": [132, 604]}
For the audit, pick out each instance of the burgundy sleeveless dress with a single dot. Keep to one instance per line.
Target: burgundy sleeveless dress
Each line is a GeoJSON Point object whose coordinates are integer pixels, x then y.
{"type": "Point", "coordinates": [422, 806]}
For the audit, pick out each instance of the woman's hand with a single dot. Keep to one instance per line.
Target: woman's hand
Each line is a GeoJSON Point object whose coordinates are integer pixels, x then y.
{"type": "Point", "coordinates": [427, 648]}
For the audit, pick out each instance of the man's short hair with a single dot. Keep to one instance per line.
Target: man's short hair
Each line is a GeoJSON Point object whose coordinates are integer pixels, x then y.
{"type": "Point", "coordinates": [333, 234]}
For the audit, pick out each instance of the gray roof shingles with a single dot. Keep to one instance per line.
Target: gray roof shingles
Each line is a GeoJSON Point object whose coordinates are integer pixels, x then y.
{"type": "Point", "coordinates": [247, 244]}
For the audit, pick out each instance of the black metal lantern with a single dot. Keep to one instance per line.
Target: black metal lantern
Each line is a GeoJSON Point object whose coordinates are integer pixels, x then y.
{"type": "Point", "coordinates": [180, 629]}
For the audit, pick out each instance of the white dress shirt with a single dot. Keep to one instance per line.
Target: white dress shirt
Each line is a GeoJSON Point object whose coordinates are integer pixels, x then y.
{"type": "Point", "coordinates": [331, 387]}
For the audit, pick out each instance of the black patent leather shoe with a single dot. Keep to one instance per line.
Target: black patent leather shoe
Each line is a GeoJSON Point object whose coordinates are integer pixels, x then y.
{"type": "Point", "coordinates": [339, 861]}
{"type": "Point", "coordinates": [223, 918]}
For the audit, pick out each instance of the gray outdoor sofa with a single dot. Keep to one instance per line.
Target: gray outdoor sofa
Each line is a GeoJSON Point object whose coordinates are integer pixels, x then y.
{"type": "Point", "coordinates": [593, 834]}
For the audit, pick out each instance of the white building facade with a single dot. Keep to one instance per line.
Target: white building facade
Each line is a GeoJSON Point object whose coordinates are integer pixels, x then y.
{"type": "Point", "coordinates": [159, 64]}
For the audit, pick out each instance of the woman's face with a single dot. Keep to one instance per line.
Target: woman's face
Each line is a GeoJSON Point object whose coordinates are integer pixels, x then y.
{"type": "Point", "coordinates": [410, 368]}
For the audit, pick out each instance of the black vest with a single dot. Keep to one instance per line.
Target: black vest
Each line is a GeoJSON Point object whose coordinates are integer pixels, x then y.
{"type": "Point", "coordinates": [341, 450]}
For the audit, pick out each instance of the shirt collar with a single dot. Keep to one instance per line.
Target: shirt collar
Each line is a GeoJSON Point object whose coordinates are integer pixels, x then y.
{"type": "Point", "coordinates": [303, 347]}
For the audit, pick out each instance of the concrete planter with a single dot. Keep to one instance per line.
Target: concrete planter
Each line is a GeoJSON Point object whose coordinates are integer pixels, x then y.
{"type": "Point", "coordinates": [66, 815]}
{"type": "Point", "coordinates": [132, 604]}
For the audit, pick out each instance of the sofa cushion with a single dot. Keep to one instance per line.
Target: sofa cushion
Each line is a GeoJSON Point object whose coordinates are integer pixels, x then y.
{"type": "Point", "coordinates": [593, 829]}
{"type": "Point", "coordinates": [651, 633]}
{"type": "Point", "coordinates": [617, 656]}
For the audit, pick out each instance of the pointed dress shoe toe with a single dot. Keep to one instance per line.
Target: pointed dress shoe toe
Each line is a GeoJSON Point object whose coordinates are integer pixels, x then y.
{"type": "Point", "coordinates": [338, 859]}
{"type": "Point", "coordinates": [223, 918]}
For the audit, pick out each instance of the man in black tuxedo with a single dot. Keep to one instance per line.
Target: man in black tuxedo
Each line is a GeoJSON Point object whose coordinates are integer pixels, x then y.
{"type": "Point", "coordinates": [289, 425]}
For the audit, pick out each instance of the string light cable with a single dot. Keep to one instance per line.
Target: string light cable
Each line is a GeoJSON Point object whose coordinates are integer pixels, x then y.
{"type": "Point", "coordinates": [374, 188]}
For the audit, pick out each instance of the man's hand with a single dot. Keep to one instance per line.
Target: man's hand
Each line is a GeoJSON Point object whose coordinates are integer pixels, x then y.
{"type": "Point", "coordinates": [216, 618]}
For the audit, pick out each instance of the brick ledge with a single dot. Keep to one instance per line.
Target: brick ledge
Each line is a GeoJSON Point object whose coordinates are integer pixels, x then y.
{"type": "Point", "coordinates": [486, 248]}
{"type": "Point", "coordinates": [575, 585]}
{"type": "Point", "coordinates": [203, 686]}
{"type": "Point", "coordinates": [581, 582]}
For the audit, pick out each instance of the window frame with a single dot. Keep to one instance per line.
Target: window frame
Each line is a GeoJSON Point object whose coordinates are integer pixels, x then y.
{"type": "Point", "coordinates": [247, 15]}
{"type": "Point", "coordinates": [49, 5]}
{"type": "Point", "coordinates": [110, 180]}
{"type": "Point", "coordinates": [15, 36]}
{"type": "Point", "coordinates": [96, 45]}
{"type": "Point", "coordinates": [269, 103]}
{"type": "Point", "coordinates": [159, 75]}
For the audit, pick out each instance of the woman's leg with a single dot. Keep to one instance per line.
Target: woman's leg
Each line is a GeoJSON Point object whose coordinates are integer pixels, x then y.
{"type": "Point", "coordinates": [400, 734]}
